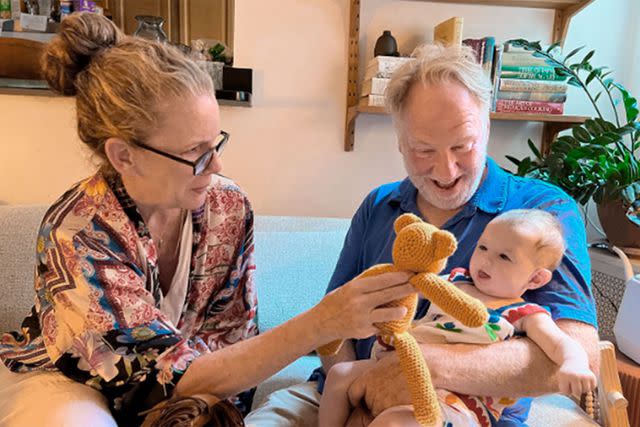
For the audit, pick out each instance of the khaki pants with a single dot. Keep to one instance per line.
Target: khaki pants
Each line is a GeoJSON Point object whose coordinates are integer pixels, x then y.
{"type": "Point", "coordinates": [295, 406]}
{"type": "Point", "coordinates": [49, 399]}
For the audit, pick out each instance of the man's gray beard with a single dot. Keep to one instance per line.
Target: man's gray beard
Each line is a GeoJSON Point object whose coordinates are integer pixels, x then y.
{"type": "Point", "coordinates": [455, 202]}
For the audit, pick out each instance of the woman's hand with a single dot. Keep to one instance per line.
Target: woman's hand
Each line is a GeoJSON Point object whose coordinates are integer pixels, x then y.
{"type": "Point", "coordinates": [351, 310]}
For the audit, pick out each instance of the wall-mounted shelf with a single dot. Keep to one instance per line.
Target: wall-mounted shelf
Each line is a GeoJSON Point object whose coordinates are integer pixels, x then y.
{"type": "Point", "coordinates": [564, 11]}
{"type": "Point", "coordinates": [554, 123]}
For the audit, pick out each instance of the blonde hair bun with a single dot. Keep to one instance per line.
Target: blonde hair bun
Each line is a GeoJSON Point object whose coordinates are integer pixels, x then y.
{"type": "Point", "coordinates": [82, 36]}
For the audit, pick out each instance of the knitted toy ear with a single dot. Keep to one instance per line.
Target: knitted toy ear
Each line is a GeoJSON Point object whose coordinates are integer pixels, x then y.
{"type": "Point", "coordinates": [445, 244]}
{"type": "Point", "coordinates": [403, 220]}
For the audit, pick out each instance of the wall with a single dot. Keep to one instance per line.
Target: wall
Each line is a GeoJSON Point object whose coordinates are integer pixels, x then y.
{"type": "Point", "coordinates": [634, 52]}
{"type": "Point", "coordinates": [287, 151]}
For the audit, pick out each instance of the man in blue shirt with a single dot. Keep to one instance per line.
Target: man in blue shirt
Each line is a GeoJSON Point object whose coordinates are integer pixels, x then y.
{"type": "Point", "coordinates": [440, 107]}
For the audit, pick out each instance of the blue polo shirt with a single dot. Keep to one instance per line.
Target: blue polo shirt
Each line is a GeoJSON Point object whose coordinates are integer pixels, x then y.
{"type": "Point", "coordinates": [370, 239]}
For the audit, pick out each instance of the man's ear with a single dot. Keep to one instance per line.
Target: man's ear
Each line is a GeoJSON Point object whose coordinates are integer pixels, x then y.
{"type": "Point", "coordinates": [120, 155]}
{"type": "Point", "coordinates": [539, 278]}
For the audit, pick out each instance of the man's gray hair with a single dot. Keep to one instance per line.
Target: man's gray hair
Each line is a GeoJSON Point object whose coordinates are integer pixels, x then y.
{"type": "Point", "coordinates": [435, 64]}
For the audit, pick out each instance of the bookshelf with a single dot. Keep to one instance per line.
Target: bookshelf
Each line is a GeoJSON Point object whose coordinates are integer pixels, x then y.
{"type": "Point", "coordinates": [552, 124]}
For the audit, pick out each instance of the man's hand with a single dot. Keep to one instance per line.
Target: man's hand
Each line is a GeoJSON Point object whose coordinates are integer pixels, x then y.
{"type": "Point", "coordinates": [380, 387]}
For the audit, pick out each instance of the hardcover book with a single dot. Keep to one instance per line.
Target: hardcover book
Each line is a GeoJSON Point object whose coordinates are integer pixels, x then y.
{"type": "Point", "coordinates": [534, 96]}
{"type": "Point", "coordinates": [384, 66]}
{"type": "Point", "coordinates": [374, 86]}
{"type": "Point", "coordinates": [517, 85]}
{"type": "Point", "coordinates": [531, 72]}
{"type": "Point", "coordinates": [522, 59]}
{"type": "Point", "coordinates": [534, 107]}
{"type": "Point", "coordinates": [449, 32]}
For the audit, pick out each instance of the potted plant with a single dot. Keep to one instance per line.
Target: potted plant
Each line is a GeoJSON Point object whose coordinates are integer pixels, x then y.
{"type": "Point", "coordinates": [599, 159]}
{"type": "Point", "coordinates": [212, 59]}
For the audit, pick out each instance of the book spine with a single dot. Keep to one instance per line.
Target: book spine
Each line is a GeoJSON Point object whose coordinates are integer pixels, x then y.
{"type": "Point", "coordinates": [374, 86]}
{"type": "Point", "coordinates": [549, 75]}
{"type": "Point", "coordinates": [516, 85]}
{"type": "Point", "coordinates": [372, 101]}
{"type": "Point", "coordinates": [521, 59]}
{"type": "Point", "coordinates": [537, 107]}
{"type": "Point", "coordinates": [534, 96]}
{"type": "Point", "coordinates": [487, 59]}
{"type": "Point", "coordinates": [476, 45]}
{"type": "Point", "coordinates": [497, 70]}
{"type": "Point", "coordinates": [384, 66]}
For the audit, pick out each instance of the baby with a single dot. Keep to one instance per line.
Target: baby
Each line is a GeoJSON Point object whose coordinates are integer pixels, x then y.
{"type": "Point", "coordinates": [517, 251]}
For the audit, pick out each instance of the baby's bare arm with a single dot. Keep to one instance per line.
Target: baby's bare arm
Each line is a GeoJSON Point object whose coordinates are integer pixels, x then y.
{"type": "Point", "coordinates": [574, 375]}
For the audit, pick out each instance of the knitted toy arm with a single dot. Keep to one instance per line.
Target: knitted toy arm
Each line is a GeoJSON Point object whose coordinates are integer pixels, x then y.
{"type": "Point", "coordinates": [333, 347]}
{"type": "Point", "coordinates": [467, 309]}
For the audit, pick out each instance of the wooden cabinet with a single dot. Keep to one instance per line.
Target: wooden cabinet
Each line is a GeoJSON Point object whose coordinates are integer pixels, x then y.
{"type": "Point", "coordinates": [564, 11]}
{"type": "Point", "coordinates": [185, 20]}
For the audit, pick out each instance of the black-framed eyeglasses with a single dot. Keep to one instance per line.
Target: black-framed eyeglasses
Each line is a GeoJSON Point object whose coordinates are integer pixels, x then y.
{"type": "Point", "coordinates": [202, 162]}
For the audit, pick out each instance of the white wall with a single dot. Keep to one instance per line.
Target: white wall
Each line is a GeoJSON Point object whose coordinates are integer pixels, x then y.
{"type": "Point", "coordinates": [287, 151]}
{"type": "Point", "coordinates": [634, 52]}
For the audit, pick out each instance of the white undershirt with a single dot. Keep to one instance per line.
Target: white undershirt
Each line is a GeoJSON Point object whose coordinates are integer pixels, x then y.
{"type": "Point", "coordinates": [172, 303]}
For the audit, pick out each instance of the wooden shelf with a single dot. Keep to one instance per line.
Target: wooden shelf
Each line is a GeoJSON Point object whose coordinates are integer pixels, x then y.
{"type": "Point", "coordinates": [538, 4]}
{"type": "Point", "coordinates": [556, 118]}
{"type": "Point", "coordinates": [564, 11]}
{"type": "Point", "coordinates": [553, 123]}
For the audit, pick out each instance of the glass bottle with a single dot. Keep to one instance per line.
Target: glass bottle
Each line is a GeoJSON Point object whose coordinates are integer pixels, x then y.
{"type": "Point", "coordinates": [150, 27]}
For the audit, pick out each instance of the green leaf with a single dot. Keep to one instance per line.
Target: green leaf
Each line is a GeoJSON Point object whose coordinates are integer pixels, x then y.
{"type": "Point", "coordinates": [592, 75]}
{"type": "Point", "coordinates": [597, 97]}
{"type": "Point", "coordinates": [567, 140]}
{"type": "Point", "coordinates": [573, 52]}
{"type": "Point", "coordinates": [630, 103]}
{"type": "Point", "coordinates": [534, 149]}
{"type": "Point", "coordinates": [552, 47]}
{"type": "Point", "coordinates": [593, 126]}
{"type": "Point", "coordinates": [513, 160]}
{"type": "Point", "coordinates": [608, 126]}
{"type": "Point", "coordinates": [581, 134]}
{"type": "Point", "coordinates": [574, 82]}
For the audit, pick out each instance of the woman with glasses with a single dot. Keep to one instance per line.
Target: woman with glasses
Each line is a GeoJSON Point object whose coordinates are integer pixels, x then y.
{"type": "Point", "coordinates": [144, 276]}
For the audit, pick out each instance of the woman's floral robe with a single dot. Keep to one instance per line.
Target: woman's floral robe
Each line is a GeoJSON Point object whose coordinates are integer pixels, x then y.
{"type": "Point", "coordinates": [96, 316]}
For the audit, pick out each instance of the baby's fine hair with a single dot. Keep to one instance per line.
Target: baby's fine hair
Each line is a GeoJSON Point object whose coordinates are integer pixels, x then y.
{"type": "Point", "coordinates": [550, 245]}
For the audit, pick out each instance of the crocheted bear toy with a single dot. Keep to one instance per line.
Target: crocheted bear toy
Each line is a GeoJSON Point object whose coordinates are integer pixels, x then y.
{"type": "Point", "coordinates": [423, 249]}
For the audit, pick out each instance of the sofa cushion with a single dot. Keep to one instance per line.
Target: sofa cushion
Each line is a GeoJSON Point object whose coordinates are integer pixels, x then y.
{"type": "Point", "coordinates": [294, 258]}
{"type": "Point", "coordinates": [18, 230]}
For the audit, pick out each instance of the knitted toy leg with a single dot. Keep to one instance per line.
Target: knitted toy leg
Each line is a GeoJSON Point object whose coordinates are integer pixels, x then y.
{"type": "Point", "coordinates": [467, 309]}
{"type": "Point", "coordinates": [423, 396]}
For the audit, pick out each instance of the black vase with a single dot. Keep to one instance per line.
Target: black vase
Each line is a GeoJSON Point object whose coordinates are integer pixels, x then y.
{"type": "Point", "coordinates": [386, 45]}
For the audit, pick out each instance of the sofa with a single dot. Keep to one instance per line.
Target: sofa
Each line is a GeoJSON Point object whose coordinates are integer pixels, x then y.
{"type": "Point", "coordinates": [295, 257]}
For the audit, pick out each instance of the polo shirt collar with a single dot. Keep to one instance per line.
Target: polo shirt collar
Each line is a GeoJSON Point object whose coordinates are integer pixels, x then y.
{"type": "Point", "coordinates": [491, 195]}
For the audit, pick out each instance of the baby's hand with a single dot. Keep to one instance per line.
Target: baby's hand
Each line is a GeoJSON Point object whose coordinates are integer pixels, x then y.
{"type": "Point", "coordinates": [576, 380]}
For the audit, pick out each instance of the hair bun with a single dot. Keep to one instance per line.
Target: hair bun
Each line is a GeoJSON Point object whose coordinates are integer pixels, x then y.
{"type": "Point", "coordinates": [82, 36]}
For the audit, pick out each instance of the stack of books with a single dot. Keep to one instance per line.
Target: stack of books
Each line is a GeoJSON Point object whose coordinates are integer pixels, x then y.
{"type": "Point", "coordinates": [528, 84]}
{"type": "Point", "coordinates": [485, 52]}
{"type": "Point", "coordinates": [376, 78]}
{"type": "Point", "coordinates": [489, 55]}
